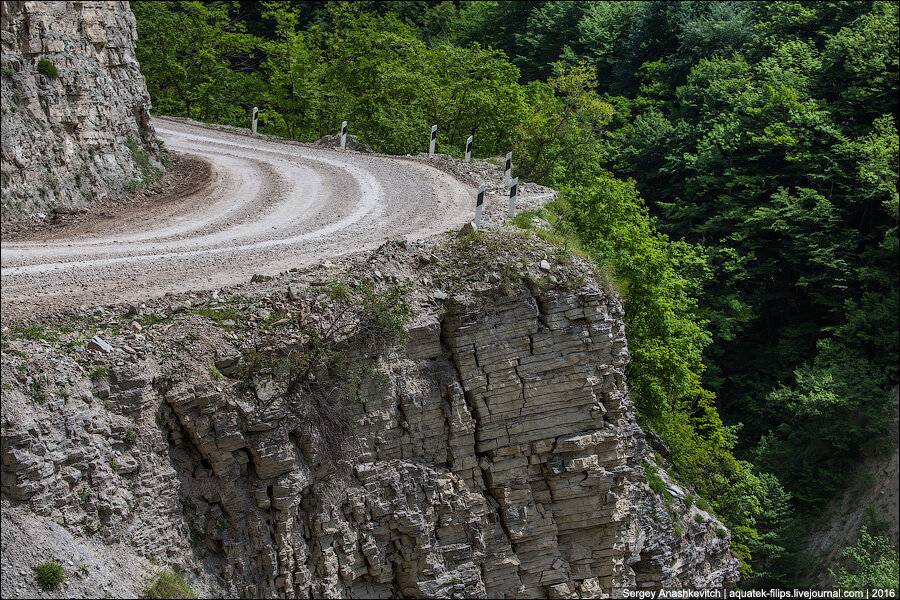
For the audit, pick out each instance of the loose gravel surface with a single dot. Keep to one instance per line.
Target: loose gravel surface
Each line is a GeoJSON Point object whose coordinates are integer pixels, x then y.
{"type": "Point", "coordinates": [264, 206]}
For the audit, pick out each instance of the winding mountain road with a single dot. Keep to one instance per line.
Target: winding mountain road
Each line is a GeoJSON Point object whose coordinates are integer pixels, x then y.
{"type": "Point", "coordinates": [269, 206]}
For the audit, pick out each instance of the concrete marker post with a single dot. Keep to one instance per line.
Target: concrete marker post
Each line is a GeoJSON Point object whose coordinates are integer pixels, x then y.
{"type": "Point", "coordinates": [433, 140]}
{"type": "Point", "coordinates": [508, 174]}
{"type": "Point", "coordinates": [513, 196]}
{"type": "Point", "coordinates": [344, 135]}
{"type": "Point", "coordinates": [478, 206]}
{"type": "Point", "coordinates": [469, 149]}
{"type": "Point", "coordinates": [253, 119]}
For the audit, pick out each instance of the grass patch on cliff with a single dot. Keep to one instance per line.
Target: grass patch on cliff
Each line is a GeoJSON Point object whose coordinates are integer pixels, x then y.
{"type": "Point", "coordinates": [149, 319]}
{"type": "Point", "coordinates": [99, 373]}
{"type": "Point", "coordinates": [168, 583]}
{"type": "Point", "coordinates": [38, 389]}
{"type": "Point", "coordinates": [655, 482]}
{"type": "Point", "coordinates": [226, 317]}
{"type": "Point", "coordinates": [35, 331]}
{"type": "Point", "coordinates": [548, 224]}
{"type": "Point", "coordinates": [49, 575]}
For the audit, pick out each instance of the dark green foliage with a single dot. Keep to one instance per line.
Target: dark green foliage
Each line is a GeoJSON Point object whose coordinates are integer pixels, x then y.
{"type": "Point", "coordinates": [193, 55]}
{"type": "Point", "coordinates": [773, 559]}
{"type": "Point", "coordinates": [49, 575]}
{"type": "Point", "coordinates": [45, 67]}
{"type": "Point", "coordinates": [787, 184]}
{"type": "Point", "coordinates": [369, 69]}
{"type": "Point", "coordinates": [495, 25]}
{"type": "Point", "coordinates": [794, 206]}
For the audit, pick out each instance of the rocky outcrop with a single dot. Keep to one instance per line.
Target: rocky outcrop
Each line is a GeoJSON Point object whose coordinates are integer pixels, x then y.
{"type": "Point", "coordinates": [496, 454]}
{"type": "Point", "coordinates": [75, 108]}
{"type": "Point", "coordinates": [334, 141]}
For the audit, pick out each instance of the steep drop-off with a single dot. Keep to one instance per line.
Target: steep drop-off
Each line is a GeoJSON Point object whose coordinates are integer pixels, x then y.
{"type": "Point", "coordinates": [495, 453]}
{"type": "Point", "coordinates": [75, 109]}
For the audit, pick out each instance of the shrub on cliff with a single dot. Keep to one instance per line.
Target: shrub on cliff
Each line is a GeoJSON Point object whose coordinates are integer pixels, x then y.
{"type": "Point", "coordinates": [45, 67]}
{"type": "Point", "coordinates": [168, 584]}
{"type": "Point", "coordinates": [321, 376]}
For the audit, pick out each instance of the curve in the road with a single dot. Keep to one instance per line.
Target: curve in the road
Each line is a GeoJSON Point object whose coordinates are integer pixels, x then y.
{"type": "Point", "coordinates": [270, 206]}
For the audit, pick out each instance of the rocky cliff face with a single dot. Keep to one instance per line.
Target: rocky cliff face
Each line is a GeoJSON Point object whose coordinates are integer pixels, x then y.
{"type": "Point", "coordinates": [75, 118]}
{"type": "Point", "coordinates": [495, 454]}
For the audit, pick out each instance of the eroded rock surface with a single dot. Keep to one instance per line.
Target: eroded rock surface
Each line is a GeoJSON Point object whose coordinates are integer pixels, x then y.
{"type": "Point", "coordinates": [495, 455]}
{"type": "Point", "coordinates": [74, 137]}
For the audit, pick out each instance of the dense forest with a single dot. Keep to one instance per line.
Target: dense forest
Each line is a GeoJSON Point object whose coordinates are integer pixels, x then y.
{"type": "Point", "coordinates": [732, 166]}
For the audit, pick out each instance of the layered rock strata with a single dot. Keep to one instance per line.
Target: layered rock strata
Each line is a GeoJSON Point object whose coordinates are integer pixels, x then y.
{"type": "Point", "coordinates": [495, 455]}
{"type": "Point", "coordinates": [75, 108]}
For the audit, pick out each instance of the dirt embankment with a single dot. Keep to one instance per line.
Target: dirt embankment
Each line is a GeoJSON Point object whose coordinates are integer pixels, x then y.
{"type": "Point", "coordinates": [186, 176]}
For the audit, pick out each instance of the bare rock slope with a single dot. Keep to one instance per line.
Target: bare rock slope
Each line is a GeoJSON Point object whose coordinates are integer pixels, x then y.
{"type": "Point", "coordinates": [75, 109]}
{"type": "Point", "coordinates": [494, 453]}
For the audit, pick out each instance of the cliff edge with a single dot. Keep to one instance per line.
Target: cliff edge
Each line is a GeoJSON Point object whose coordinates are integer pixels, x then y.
{"type": "Point", "coordinates": [443, 419]}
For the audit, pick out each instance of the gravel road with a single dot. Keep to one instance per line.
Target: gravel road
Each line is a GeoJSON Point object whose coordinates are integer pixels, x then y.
{"type": "Point", "coordinates": [269, 206]}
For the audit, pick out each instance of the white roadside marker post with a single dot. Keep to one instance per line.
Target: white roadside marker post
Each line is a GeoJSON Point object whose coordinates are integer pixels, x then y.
{"type": "Point", "coordinates": [508, 174]}
{"type": "Point", "coordinates": [469, 149]}
{"type": "Point", "coordinates": [513, 196]}
{"type": "Point", "coordinates": [253, 120]}
{"type": "Point", "coordinates": [478, 207]}
{"type": "Point", "coordinates": [344, 135]}
{"type": "Point", "coordinates": [433, 139]}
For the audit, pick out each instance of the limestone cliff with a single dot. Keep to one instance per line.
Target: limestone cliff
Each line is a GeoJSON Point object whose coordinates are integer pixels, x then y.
{"type": "Point", "coordinates": [494, 454]}
{"type": "Point", "coordinates": [75, 118]}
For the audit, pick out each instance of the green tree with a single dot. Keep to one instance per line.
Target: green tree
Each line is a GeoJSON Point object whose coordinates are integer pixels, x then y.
{"type": "Point", "coordinates": [599, 34]}
{"type": "Point", "coordinates": [560, 136]}
{"type": "Point", "coordinates": [860, 67]}
{"type": "Point", "coordinates": [371, 76]}
{"type": "Point", "coordinates": [190, 53]}
{"type": "Point", "coordinates": [291, 96]}
{"type": "Point", "coordinates": [549, 30]}
{"type": "Point", "coordinates": [470, 91]}
{"type": "Point", "coordinates": [873, 565]}
{"type": "Point", "coordinates": [493, 24]}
